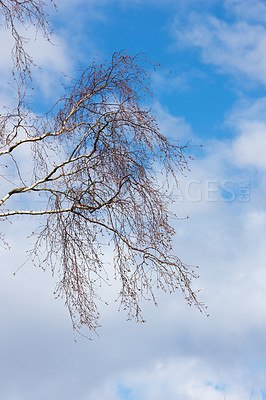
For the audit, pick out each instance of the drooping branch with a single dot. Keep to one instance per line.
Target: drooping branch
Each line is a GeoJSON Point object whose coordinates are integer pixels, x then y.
{"type": "Point", "coordinates": [24, 14]}
{"type": "Point", "coordinates": [96, 157]}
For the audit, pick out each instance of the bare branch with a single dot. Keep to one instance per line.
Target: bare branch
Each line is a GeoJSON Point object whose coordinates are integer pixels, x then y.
{"type": "Point", "coordinates": [25, 13]}
{"type": "Point", "coordinates": [96, 157]}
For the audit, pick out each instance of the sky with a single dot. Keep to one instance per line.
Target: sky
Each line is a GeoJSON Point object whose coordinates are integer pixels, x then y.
{"type": "Point", "coordinates": [211, 91]}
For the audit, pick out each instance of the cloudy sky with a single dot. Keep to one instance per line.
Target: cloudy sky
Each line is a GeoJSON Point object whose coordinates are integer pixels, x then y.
{"type": "Point", "coordinates": [211, 90]}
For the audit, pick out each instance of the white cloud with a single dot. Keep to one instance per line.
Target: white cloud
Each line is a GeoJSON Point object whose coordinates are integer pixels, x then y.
{"type": "Point", "coordinates": [254, 10]}
{"type": "Point", "coordinates": [174, 127]}
{"type": "Point", "coordinates": [237, 48]}
{"type": "Point", "coordinates": [169, 82]}
{"type": "Point", "coordinates": [250, 147]}
{"type": "Point", "coordinates": [176, 378]}
{"type": "Point", "coordinates": [249, 121]}
{"type": "Point", "coordinates": [178, 353]}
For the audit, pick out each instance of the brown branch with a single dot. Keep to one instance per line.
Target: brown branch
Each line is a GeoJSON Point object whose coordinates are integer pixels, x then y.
{"type": "Point", "coordinates": [96, 157]}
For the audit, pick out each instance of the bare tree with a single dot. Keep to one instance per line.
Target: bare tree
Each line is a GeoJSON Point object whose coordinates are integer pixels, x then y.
{"type": "Point", "coordinates": [97, 157]}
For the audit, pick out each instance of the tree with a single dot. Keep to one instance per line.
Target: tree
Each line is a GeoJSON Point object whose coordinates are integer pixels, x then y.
{"type": "Point", "coordinates": [97, 157]}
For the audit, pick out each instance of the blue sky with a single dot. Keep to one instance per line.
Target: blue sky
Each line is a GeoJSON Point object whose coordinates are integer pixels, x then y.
{"type": "Point", "coordinates": [211, 90]}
